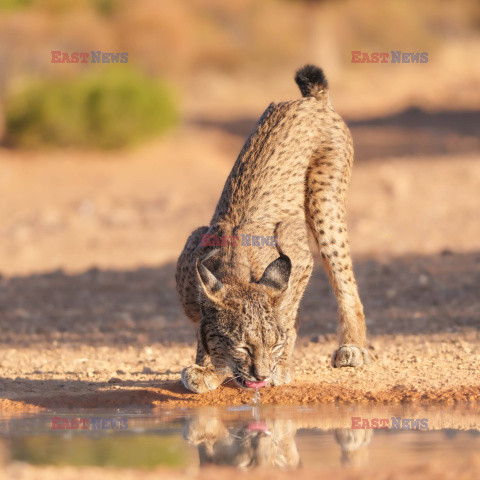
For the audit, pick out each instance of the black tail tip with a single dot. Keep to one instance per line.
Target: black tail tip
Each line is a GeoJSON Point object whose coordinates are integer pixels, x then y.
{"type": "Point", "coordinates": [311, 80]}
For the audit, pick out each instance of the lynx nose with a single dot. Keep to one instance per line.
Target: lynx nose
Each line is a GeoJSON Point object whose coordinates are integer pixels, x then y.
{"type": "Point", "coordinates": [260, 373]}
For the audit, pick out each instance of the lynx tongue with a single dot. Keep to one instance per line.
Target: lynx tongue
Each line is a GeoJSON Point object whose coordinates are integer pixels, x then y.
{"type": "Point", "coordinates": [257, 427]}
{"type": "Point", "coordinates": [250, 384]}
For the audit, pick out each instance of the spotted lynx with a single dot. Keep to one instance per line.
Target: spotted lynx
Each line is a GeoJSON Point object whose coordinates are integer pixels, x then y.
{"type": "Point", "coordinates": [249, 444]}
{"type": "Point", "coordinates": [241, 278]}
{"type": "Point", "coordinates": [269, 443]}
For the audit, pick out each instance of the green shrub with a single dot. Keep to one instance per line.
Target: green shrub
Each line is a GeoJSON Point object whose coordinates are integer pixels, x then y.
{"type": "Point", "coordinates": [112, 449]}
{"type": "Point", "coordinates": [110, 109]}
{"type": "Point", "coordinates": [14, 4]}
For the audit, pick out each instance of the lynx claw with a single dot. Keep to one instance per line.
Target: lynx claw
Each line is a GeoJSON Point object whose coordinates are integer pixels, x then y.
{"type": "Point", "coordinates": [199, 379]}
{"type": "Point", "coordinates": [350, 356]}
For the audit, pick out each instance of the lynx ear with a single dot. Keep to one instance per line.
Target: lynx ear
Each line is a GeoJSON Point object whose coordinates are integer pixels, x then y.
{"type": "Point", "coordinates": [211, 286]}
{"type": "Point", "coordinates": [277, 274]}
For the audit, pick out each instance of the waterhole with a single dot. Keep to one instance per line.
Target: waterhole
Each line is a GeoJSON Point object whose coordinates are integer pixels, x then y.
{"type": "Point", "coordinates": [244, 437]}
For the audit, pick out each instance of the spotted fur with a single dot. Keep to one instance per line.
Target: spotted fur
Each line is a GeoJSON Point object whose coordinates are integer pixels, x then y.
{"type": "Point", "coordinates": [247, 445]}
{"type": "Point", "coordinates": [289, 182]}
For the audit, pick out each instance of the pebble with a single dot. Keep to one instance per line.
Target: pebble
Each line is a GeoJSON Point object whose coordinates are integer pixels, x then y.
{"type": "Point", "coordinates": [423, 280]}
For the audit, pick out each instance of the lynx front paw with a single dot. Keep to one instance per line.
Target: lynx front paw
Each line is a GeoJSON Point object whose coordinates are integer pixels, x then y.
{"type": "Point", "coordinates": [283, 374]}
{"type": "Point", "coordinates": [206, 429]}
{"type": "Point", "coordinates": [350, 356]}
{"type": "Point", "coordinates": [199, 379]}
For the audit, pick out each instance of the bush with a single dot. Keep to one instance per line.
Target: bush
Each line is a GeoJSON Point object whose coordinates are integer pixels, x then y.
{"type": "Point", "coordinates": [14, 4]}
{"type": "Point", "coordinates": [110, 109]}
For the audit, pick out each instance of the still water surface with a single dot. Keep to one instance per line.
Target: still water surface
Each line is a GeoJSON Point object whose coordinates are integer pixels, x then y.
{"type": "Point", "coordinates": [244, 437]}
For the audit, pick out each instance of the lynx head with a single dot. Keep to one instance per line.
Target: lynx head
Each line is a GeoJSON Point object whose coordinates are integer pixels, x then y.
{"type": "Point", "coordinates": [241, 327]}
{"type": "Point", "coordinates": [252, 443]}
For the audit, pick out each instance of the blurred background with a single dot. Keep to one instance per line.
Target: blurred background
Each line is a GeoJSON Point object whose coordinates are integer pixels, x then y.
{"type": "Point", "coordinates": [112, 165]}
{"type": "Point", "coordinates": [105, 168]}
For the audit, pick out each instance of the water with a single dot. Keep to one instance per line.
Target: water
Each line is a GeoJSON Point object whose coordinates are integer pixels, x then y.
{"type": "Point", "coordinates": [244, 437]}
{"type": "Point", "coordinates": [256, 397]}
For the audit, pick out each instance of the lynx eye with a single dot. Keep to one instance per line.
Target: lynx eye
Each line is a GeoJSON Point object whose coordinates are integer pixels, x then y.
{"type": "Point", "coordinates": [277, 349]}
{"type": "Point", "coordinates": [245, 349]}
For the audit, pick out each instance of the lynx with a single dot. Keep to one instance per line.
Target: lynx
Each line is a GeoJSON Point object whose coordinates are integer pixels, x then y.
{"type": "Point", "coordinates": [289, 182]}
{"type": "Point", "coordinates": [269, 443]}
{"type": "Point", "coordinates": [247, 445]}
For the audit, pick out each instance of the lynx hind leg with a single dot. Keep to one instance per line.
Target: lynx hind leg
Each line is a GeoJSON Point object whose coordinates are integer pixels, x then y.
{"type": "Point", "coordinates": [350, 356]}
{"type": "Point", "coordinates": [328, 179]}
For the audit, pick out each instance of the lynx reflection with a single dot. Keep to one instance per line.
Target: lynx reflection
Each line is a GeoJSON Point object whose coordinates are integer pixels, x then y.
{"type": "Point", "coordinates": [354, 446]}
{"type": "Point", "coordinates": [266, 443]}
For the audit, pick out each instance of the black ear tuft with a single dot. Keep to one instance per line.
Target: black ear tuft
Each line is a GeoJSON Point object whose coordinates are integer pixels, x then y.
{"type": "Point", "coordinates": [277, 274]}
